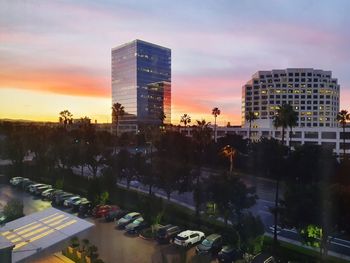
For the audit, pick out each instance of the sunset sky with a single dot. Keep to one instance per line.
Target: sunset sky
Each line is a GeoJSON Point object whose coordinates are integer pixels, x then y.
{"type": "Point", "coordinates": [55, 55]}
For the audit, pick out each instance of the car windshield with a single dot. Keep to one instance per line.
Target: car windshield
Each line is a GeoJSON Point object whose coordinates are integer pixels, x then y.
{"type": "Point", "coordinates": [207, 243]}
{"type": "Point", "coordinates": [182, 238]}
{"type": "Point", "coordinates": [138, 221]}
{"type": "Point", "coordinates": [128, 217]}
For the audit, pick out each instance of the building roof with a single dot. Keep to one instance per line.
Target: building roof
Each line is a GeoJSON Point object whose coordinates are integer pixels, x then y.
{"type": "Point", "coordinates": [41, 230]}
{"type": "Point", "coordinates": [140, 41]}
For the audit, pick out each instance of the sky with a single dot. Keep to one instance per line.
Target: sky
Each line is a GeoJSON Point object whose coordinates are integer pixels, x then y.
{"type": "Point", "coordinates": [56, 55]}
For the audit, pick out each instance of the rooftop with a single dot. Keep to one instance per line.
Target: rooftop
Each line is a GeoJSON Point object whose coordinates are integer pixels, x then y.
{"type": "Point", "coordinates": [39, 231]}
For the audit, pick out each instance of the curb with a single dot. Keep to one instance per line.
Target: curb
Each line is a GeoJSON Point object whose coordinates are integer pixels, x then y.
{"type": "Point", "coordinates": [146, 238]}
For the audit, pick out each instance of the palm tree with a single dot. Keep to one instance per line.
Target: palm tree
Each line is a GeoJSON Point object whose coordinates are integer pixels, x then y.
{"type": "Point", "coordinates": [65, 118]}
{"type": "Point", "coordinates": [229, 152]}
{"type": "Point", "coordinates": [286, 117]}
{"type": "Point", "coordinates": [250, 117]}
{"type": "Point", "coordinates": [215, 112]}
{"type": "Point", "coordinates": [117, 112]}
{"type": "Point", "coordinates": [185, 119]}
{"type": "Point", "coordinates": [201, 137]}
{"type": "Point", "coordinates": [342, 117]}
{"type": "Point", "coordinates": [162, 117]}
{"type": "Point", "coordinates": [292, 122]}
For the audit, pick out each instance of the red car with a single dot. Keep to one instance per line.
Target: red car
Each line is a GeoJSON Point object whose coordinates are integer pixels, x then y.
{"type": "Point", "coordinates": [103, 210]}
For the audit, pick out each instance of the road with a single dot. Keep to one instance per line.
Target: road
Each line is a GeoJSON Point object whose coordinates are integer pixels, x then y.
{"type": "Point", "coordinates": [113, 245]}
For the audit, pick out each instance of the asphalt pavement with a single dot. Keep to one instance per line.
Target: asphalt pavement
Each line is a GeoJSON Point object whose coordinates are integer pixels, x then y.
{"type": "Point", "coordinates": [114, 245]}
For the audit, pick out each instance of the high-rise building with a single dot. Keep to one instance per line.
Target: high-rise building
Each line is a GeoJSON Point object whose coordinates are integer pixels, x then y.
{"type": "Point", "coordinates": [313, 93]}
{"type": "Point", "coordinates": [141, 82]}
{"type": "Point", "coordinates": [159, 102]}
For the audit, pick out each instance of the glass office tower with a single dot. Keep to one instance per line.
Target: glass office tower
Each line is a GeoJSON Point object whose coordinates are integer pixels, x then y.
{"type": "Point", "coordinates": [141, 75]}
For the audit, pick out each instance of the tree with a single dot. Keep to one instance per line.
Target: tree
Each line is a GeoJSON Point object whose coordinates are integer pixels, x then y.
{"type": "Point", "coordinates": [65, 118]}
{"type": "Point", "coordinates": [117, 112]}
{"type": "Point", "coordinates": [250, 117]}
{"type": "Point", "coordinates": [16, 147]}
{"type": "Point", "coordinates": [285, 117]}
{"type": "Point", "coordinates": [310, 202]}
{"type": "Point", "coordinates": [342, 117]}
{"type": "Point", "coordinates": [185, 119]}
{"type": "Point", "coordinates": [292, 122]}
{"type": "Point", "coordinates": [96, 153]}
{"type": "Point", "coordinates": [231, 196]}
{"type": "Point", "coordinates": [201, 136]}
{"type": "Point", "coordinates": [125, 167]}
{"type": "Point", "coordinates": [229, 152]}
{"type": "Point", "coordinates": [162, 117]}
{"type": "Point", "coordinates": [171, 166]}
{"type": "Point", "coordinates": [215, 112]}
{"type": "Point", "coordinates": [13, 210]}
{"type": "Point", "coordinates": [152, 136]}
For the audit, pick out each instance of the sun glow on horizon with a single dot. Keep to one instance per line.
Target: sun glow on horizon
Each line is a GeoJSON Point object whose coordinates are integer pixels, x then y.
{"type": "Point", "coordinates": [45, 106]}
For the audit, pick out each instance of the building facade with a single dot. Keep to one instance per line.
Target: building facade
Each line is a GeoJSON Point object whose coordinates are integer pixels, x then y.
{"type": "Point", "coordinates": [138, 66]}
{"type": "Point", "coordinates": [313, 93]}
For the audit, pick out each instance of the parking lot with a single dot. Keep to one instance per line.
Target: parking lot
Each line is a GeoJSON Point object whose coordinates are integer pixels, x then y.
{"type": "Point", "coordinates": [113, 245]}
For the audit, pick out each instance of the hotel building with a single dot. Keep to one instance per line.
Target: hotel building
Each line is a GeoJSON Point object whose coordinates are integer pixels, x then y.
{"type": "Point", "coordinates": [313, 94]}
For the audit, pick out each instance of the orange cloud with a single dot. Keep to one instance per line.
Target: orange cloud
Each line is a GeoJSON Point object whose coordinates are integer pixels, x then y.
{"type": "Point", "coordinates": [62, 81]}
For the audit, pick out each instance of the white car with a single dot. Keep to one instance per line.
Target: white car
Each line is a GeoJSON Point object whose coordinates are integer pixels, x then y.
{"type": "Point", "coordinates": [68, 202]}
{"type": "Point", "coordinates": [47, 192]}
{"type": "Point", "coordinates": [16, 180]}
{"type": "Point", "coordinates": [188, 238]}
{"type": "Point", "coordinates": [33, 187]}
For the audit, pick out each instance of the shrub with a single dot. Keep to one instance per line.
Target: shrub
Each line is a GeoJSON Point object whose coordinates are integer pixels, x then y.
{"type": "Point", "coordinates": [13, 210]}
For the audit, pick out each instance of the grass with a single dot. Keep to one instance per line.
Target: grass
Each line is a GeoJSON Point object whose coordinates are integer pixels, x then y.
{"type": "Point", "coordinates": [292, 252]}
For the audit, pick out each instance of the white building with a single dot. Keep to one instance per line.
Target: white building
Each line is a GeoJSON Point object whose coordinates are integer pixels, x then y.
{"type": "Point", "coordinates": [313, 93]}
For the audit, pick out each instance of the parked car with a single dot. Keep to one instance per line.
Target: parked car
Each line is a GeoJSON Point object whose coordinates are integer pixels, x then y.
{"type": "Point", "coordinates": [85, 208]}
{"type": "Point", "coordinates": [229, 254]}
{"type": "Point", "coordinates": [115, 215]}
{"type": "Point", "coordinates": [263, 258]}
{"type": "Point", "coordinates": [26, 184]}
{"type": "Point", "coordinates": [52, 195]}
{"type": "Point", "coordinates": [211, 244]}
{"type": "Point", "coordinates": [46, 193]}
{"type": "Point", "coordinates": [32, 188]}
{"type": "Point", "coordinates": [68, 202]}
{"type": "Point", "coordinates": [41, 189]}
{"type": "Point", "coordinates": [22, 182]}
{"type": "Point", "coordinates": [101, 211]}
{"type": "Point", "coordinates": [167, 233]}
{"type": "Point", "coordinates": [76, 203]}
{"type": "Point", "coordinates": [16, 180]}
{"type": "Point", "coordinates": [188, 238]}
{"type": "Point", "coordinates": [135, 184]}
{"type": "Point", "coordinates": [59, 200]}
{"type": "Point", "coordinates": [136, 226]}
{"type": "Point", "coordinates": [127, 219]}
